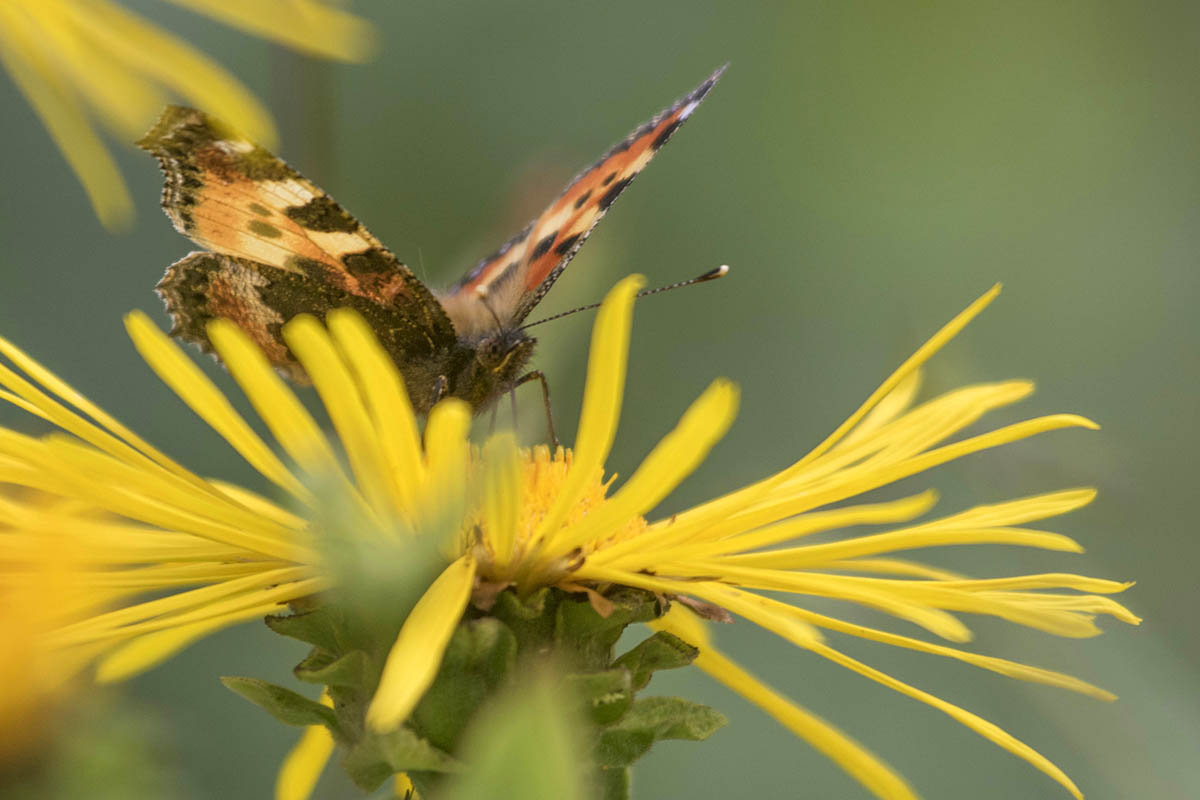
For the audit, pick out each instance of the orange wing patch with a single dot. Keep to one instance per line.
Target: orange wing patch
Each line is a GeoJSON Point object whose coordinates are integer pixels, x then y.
{"type": "Point", "coordinates": [515, 278]}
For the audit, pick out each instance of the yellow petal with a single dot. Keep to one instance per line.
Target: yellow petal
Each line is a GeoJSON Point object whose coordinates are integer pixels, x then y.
{"type": "Point", "coordinates": [310, 343]}
{"type": "Point", "coordinates": [672, 460]}
{"type": "Point", "coordinates": [386, 396]}
{"type": "Point", "coordinates": [152, 649]}
{"type": "Point", "coordinates": [317, 27]}
{"type": "Point", "coordinates": [502, 497]}
{"type": "Point", "coordinates": [208, 402]}
{"type": "Point", "coordinates": [987, 730]}
{"type": "Point", "coordinates": [60, 111]}
{"type": "Point", "coordinates": [607, 361]}
{"type": "Point", "coordinates": [414, 659]}
{"type": "Point", "coordinates": [858, 762]}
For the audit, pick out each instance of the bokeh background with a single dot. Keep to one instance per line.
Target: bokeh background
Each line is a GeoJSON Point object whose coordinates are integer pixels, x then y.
{"type": "Point", "coordinates": [867, 168]}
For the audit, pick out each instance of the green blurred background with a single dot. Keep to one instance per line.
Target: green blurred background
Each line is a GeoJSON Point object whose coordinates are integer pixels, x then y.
{"type": "Point", "coordinates": [867, 168]}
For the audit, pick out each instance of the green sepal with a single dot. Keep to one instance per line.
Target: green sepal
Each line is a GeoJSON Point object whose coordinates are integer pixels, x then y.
{"type": "Point", "coordinates": [614, 783]}
{"type": "Point", "coordinates": [651, 719]}
{"type": "Point", "coordinates": [588, 637]}
{"type": "Point", "coordinates": [283, 704]}
{"type": "Point", "coordinates": [479, 658]}
{"type": "Point", "coordinates": [321, 666]}
{"type": "Point", "coordinates": [531, 619]}
{"type": "Point", "coordinates": [317, 627]}
{"type": "Point", "coordinates": [378, 756]}
{"type": "Point", "coordinates": [663, 650]}
{"type": "Point", "coordinates": [604, 696]}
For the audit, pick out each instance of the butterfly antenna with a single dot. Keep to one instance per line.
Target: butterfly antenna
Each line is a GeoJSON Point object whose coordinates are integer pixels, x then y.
{"type": "Point", "coordinates": [711, 275]}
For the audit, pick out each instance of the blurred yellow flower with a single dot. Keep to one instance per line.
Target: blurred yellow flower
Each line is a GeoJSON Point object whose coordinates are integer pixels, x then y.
{"type": "Point", "coordinates": [69, 56]}
{"type": "Point", "coordinates": [216, 554]}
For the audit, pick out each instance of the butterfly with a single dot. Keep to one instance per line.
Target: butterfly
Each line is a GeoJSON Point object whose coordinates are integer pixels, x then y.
{"type": "Point", "coordinates": [277, 246]}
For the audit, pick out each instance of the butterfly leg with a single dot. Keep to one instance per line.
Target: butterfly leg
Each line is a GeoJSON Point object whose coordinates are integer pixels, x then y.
{"type": "Point", "coordinates": [439, 390]}
{"type": "Point", "coordinates": [538, 375]}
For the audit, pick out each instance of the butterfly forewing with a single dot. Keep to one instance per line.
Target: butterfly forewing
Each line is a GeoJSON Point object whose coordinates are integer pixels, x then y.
{"type": "Point", "coordinates": [510, 282]}
{"type": "Point", "coordinates": [236, 199]}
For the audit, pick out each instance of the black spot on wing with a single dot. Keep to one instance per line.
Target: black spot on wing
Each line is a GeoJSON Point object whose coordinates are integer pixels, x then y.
{"type": "Point", "coordinates": [609, 178]}
{"type": "Point", "coordinates": [542, 247]}
{"type": "Point", "coordinates": [662, 137]}
{"type": "Point", "coordinates": [583, 199]}
{"type": "Point", "coordinates": [370, 262]}
{"type": "Point", "coordinates": [608, 197]}
{"type": "Point", "coordinates": [566, 244]}
{"type": "Point", "coordinates": [323, 215]}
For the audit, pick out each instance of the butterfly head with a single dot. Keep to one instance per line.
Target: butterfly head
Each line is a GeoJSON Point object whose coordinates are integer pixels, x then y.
{"type": "Point", "coordinates": [498, 359]}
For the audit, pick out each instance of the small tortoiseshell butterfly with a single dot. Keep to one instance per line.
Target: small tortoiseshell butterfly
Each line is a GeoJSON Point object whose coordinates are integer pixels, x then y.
{"type": "Point", "coordinates": [278, 246]}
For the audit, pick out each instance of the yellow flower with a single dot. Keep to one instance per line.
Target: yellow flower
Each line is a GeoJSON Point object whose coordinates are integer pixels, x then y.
{"type": "Point", "coordinates": [65, 55]}
{"type": "Point", "coordinates": [542, 519]}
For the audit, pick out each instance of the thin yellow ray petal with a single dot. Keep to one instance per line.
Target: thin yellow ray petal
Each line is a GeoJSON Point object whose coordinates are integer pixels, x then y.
{"type": "Point", "coordinates": [144, 652]}
{"type": "Point", "coordinates": [387, 397]}
{"type": "Point", "coordinates": [501, 498]}
{"type": "Point", "coordinates": [608, 359]}
{"type": "Point", "coordinates": [312, 347]}
{"type": "Point", "coordinates": [303, 765]}
{"type": "Point", "coordinates": [316, 27]}
{"type": "Point", "coordinates": [67, 420]}
{"type": "Point", "coordinates": [444, 497]}
{"type": "Point", "coordinates": [57, 105]}
{"type": "Point", "coordinates": [192, 386]}
{"type": "Point", "coordinates": [1000, 666]}
{"type": "Point", "coordinates": [893, 404]}
{"type": "Point", "coordinates": [855, 481]}
{"type": "Point", "coordinates": [177, 65]}
{"type": "Point", "coordinates": [204, 598]}
{"type": "Point", "coordinates": [858, 762]}
{"type": "Point", "coordinates": [697, 544]}
{"type": "Point", "coordinates": [106, 482]}
{"type": "Point", "coordinates": [891, 597]}
{"type": "Point", "coordinates": [923, 354]}
{"type": "Point", "coordinates": [262, 601]}
{"type": "Point", "coordinates": [259, 505]}
{"type": "Point", "coordinates": [414, 659]}
{"type": "Point", "coordinates": [915, 432]}
{"type": "Point", "coordinates": [674, 458]}
{"type": "Point", "coordinates": [291, 425]}
{"type": "Point", "coordinates": [987, 730]}
{"type": "Point", "coordinates": [1049, 580]}
{"type": "Point", "coordinates": [893, 566]}
{"type": "Point", "coordinates": [122, 97]}
{"type": "Point", "coordinates": [818, 556]}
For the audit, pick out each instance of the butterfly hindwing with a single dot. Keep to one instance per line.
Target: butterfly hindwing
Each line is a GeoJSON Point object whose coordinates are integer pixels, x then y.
{"type": "Point", "coordinates": [236, 199]}
{"type": "Point", "coordinates": [259, 298]}
{"type": "Point", "coordinates": [514, 279]}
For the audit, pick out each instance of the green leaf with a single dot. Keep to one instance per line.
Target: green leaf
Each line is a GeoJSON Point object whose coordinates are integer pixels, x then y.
{"type": "Point", "coordinates": [605, 696]}
{"type": "Point", "coordinates": [525, 746]}
{"type": "Point", "coordinates": [317, 627]}
{"type": "Point", "coordinates": [377, 757]}
{"type": "Point", "coordinates": [663, 650]}
{"type": "Point", "coordinates": [352, 669]}
{"type": "Point", "coordinates": [283, 704]}
{"type": "Point", "coordinates": [651, 719]}
{"type": "Point", "coordinates": [589, 637]}
{"type": "Point", "coordinates": [477, 661]}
